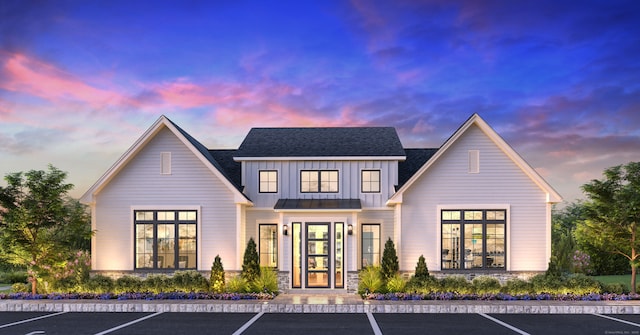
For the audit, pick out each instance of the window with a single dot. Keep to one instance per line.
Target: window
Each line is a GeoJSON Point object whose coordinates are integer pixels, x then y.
{"type": "Point", "coordinates": [165, 163]}
{"type": "Point", "coordinates": [474, 239]}
{"type": "Point", "coordinates": [165, 239]}
{"type": "Point", "coordinates": [474, 161]}
{"type": "Point", "coordinates": [268, 181]}
{"type": "Point", "coordinates": [370, 181]}
{"type": "Point", "coordinates": [325, 181]}
{"type": "Point", "coordinates": [268, 245]}
{"type": "Point", "coordinates": [370, 244]}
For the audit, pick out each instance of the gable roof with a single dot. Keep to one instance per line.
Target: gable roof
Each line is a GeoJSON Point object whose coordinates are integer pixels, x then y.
{"type": "Point", "coordinates": [552, 195]}
{"type": "Point", "coordinates": [415, 160]}
{"type": "Point", "coordinates": [321, 142]}
{"type": "Point", "coordinates": [199, 150]}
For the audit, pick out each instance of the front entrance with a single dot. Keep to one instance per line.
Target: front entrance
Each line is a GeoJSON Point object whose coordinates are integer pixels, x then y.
{"type": "Point", "coordinates": [318, 254]}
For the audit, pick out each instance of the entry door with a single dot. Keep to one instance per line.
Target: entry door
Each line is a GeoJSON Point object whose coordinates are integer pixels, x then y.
{"type": "Point", "coordinates": [318, 254]}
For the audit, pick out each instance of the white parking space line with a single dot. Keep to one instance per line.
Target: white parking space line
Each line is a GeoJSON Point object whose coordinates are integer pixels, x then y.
{"type": "Point", "coordinates": [128, 323]}
{"type": "Point", "coordinates": [248, 324]}
{"type": "Point", "coordinates": [504, 324]}
{"type": "Point", "coordinates": [374, 324]}
{"type": "Point", "coordinates": [616, 319]}
{"type": "Point", "coordinates": [29, 320]}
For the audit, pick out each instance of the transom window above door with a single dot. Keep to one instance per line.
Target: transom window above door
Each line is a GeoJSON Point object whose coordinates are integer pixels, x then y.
{"type": "Point", "coordinates": [319, 181]}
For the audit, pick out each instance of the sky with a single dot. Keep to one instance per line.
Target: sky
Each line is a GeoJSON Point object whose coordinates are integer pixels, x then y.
{"type": "Point", "coordinates": [80, 81]}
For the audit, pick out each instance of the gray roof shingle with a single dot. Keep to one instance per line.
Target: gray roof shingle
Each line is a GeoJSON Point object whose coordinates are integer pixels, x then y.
{"type": "Point", "coordinates": [321, 142]}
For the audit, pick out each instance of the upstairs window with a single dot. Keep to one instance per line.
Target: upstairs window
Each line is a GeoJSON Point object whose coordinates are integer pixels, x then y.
{"type": "Point", "coordinates": [268, 180]}
{"type": "Point", "coordinates": [314, 181]}
{"type": "Point", "coordinates": [370, 181]}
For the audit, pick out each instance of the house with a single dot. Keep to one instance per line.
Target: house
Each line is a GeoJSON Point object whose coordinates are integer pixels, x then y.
{"type": "Point", "coordinates": [320, 204]}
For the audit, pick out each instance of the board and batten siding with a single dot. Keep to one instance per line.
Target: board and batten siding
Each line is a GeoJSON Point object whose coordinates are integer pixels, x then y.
{"type": "Point", "coordinates": [140, 184]}
{"type": "Point", "coordinates": [348, 181]}
{"type": "Point", "coordinates": [499, 182]}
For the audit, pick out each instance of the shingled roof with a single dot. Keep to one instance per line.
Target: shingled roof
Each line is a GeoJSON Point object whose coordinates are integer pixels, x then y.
{"type": "Point", "coordinates": [415, 160]}
{"type": "Point", "coordinates": [321, 142]}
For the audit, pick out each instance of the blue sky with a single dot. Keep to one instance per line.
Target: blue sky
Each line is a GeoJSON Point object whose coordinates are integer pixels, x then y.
{"type": "Point", "coordinates": [80, 81]}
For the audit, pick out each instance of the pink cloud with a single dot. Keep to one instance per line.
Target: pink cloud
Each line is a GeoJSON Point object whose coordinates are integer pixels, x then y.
{"type": "Point", "coordinates": [27, 75]}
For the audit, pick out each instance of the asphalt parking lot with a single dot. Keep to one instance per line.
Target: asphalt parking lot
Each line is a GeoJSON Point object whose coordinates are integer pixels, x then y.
{"type": "Point", "coordinates": [33, 323]}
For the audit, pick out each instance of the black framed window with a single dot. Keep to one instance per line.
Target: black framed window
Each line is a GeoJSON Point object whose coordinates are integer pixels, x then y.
{"type": "Point", "coordinates": [319, 181]}
{"type": "Point", "coordinates": [370, 181]}
{"type": "Point", "coordinates": [165, 239]}
{"type": "Point", "coordinates": [268, 245]}
{"type": "Point", "coordinates": [370, 244]}
{"type": "Point", "coordinates": [268, 181]}
{"type": "Point", "coordinates": [473, 239]}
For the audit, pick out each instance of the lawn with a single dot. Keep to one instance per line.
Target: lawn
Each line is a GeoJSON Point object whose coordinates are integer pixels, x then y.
{"type": "Point", "coordinates": [623, 279]}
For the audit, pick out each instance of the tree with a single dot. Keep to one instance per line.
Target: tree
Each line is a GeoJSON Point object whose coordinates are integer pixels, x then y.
{"type": "Point", "coordinates": [216, 280]}
{"type": "Point", "coordinates": [251, 262]}
{"type": "Point", "coordinates": [39, 225]}
{"type": "Point", "coordinates": [422, 272]}
{"type": "Point", "coordinates": [613, 213]}
{"type": "Point", "coordinates": [389, 260]}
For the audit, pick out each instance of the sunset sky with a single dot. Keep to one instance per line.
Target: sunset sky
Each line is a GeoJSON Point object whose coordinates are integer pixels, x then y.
{"type": "Point", "coordinates": [80, 81]}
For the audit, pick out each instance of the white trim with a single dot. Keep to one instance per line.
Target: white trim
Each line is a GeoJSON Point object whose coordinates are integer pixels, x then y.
{"type": "Point", "coordinates": [139, 144]}
{"type": "Point", "coordinates": [475, 119]}
{"type": "Point", "coordinates": [322, 158]}
{"type": "Point", "coordinates": [440, 208]}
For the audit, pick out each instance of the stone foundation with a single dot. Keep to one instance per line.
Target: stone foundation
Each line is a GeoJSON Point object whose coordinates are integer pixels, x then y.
{"type": "Point", "coordinates": [502, 277]}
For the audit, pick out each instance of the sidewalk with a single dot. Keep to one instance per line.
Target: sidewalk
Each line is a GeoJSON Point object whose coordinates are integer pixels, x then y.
{"type": "Point", "coordinates": [301, 303]}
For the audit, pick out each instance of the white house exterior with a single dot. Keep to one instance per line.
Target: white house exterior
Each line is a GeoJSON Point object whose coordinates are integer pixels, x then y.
{"type": "Point", "coordinates": [320, 204]}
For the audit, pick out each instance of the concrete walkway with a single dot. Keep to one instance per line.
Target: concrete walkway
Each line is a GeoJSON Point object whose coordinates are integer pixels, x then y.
{"type": "Point", "coordinates": [307, 303]}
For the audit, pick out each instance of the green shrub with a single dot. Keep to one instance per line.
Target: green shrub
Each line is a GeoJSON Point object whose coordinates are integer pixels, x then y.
{"type": "Point", "coordinates": [216, 280]}
{"type": "Point", "coordinates": [189, 281]}
{"type": "Point", "coordinates": [396, 284]}
{"type": "Point", "coordinates": [66, 285]}
{"type": "Point", "coordinates": [251, 262]}
{"type": "Point", "coordinates": [423, 286]}
{"type": "Point", "coordinates": [486, 285]}
{"type": "Point", "coordinates": [267, 281]}
{"type": "Point", "coordinates": [20, 287]}
{"type": "Point", "coordinates": [128, 284]}
{"type": "Point", "coordinates": [618, 288]}
{"type": "Point", "coordinates": [370, 280]}
{"type": "Point", "coordinates": [581, 284]}
{"type": "Point", "coordinates": [13, 277]}
{"type": "Point", "coordinates": [422, 272]}
{"type": "Point", "coordinates": [457, 284]}
{"type": "Point", "coordinates": [98, 284]}
{"type": "Point", "coordinates": [389, 264]}
{"type": "Point", "coordinates": [157, 284]}
{"type": "Point", "coordinates": [543, 283]}
{"type": "Point", "coordinates": [517, 286]}
{"type": "Point", "coordinates": [237, 284]}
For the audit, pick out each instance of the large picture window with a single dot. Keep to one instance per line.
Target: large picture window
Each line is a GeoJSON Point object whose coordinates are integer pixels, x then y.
{"type": "Point", "coordinates": [165, 239]}
{"type": "Point", "coordinates": [370, 244]}
{"type": "Point", "coordinates": [473, 239]}
{"type": "Point", "coordinates": [370, 181]}
{"type": "Point", "coordinates": [268, 245]}
{"type": "Point", "coordinates": [314, 181]}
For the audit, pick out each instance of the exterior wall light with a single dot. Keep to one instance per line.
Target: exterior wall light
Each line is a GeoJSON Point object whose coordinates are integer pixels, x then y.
{"type": "Point", "coordinates": [350, 229]}
{"type": "Point", "coordinates": [285, 230]}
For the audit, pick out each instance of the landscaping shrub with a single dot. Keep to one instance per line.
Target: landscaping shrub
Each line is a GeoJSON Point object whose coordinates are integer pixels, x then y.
{"type": "Point", "coordinates": [544, 283]}
{"type": "Point", "coordinates": [266, 282]}
{"type": "Point", "coordinates": [237, 284]}
{"type": "Point", "coordinates": [581, 284]}
{"type": "Point", "coordinates": [216, 280]}
{"type": "Point", "coordinates": [158, 284]}
{"type": "Point", "coordinates": [396, 284]}
{"type": "Point", "coordinates": [66, 285]}
{"type": "Point", "coordinates": [422, 272]}
{"type": "Point", "coordinates": [13, 277]}
{"type": "Point", "coordinates": [389, 264]}
{"type": "Point", "coordinates": [456, 284]}
{"type": "Point", "coordinates": [617, 288]}
{"type": "Point", "coordinates": [98, 284]}
{"type": "Point", "coordinates": [20, 288]}
{"type": "Point", "coordinates": [486, 285]}
{"type": "Point", "coordinates": [423, 286]}
{"type": "Point", "coordinates": [517, 287]}
{"type": "Point", "coordinates": [251, 262]}
{"type": "Point", "coordinates": [128, 284]}
{"type": "Point", "coordinates": [189, 281]}
{"type": "Point", "coordinates": [370, 280]}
